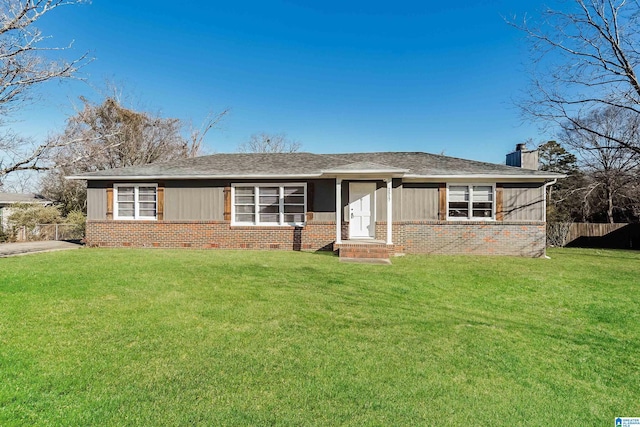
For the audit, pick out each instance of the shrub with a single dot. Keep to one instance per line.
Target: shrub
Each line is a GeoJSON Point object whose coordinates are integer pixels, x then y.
{"type": "Point", "coordinates": [30, 215]}
{"type": "Point", "coordinates": [557, 233]}
{"type": "Point", "coordinates": [78, 220]}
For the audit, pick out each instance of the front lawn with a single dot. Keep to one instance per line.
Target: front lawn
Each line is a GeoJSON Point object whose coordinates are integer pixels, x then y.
{"type": "Point", "coordinates": [180, 337]}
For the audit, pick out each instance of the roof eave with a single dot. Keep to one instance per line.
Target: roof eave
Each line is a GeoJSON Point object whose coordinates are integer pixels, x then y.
{"type": "Point", "coordinates": [180, 177]}
{"type": "Point", "coordinates": [486, 176]}
{"type": "Point", "coordinates": [327, 174]}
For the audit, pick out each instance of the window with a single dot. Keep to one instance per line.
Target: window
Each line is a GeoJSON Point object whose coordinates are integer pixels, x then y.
{"type": "Point", "coordinates": [135, 201]}
{"type": "Point", "coordinates": [470, 202]}
{"type": "Point", "coordinates": [269, 204]}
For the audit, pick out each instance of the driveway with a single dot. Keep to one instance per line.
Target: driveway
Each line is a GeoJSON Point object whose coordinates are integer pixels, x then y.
{"type": "Point", "coordinates": [24, 248]}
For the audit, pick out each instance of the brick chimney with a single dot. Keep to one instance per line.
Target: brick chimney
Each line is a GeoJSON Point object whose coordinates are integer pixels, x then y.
{"type": "Point", "coordinates": [523, 158]}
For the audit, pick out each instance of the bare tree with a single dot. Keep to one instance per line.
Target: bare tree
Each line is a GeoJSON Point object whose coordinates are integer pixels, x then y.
{"type": "Point", "coordinates": [24, 65]}
{"type": "Point", "coordinates": [108, 135]}
{"type": "Point", "coordinates": [269, 143]}
{"type": "Point", "coordinates": [21, 183]}
{"type": "Point", "coordinates": [585, 58]}
{"type": "Point", "coordinates": [612, 169]}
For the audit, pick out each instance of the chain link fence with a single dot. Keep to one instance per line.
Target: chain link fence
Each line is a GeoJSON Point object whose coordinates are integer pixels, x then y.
{"type": "Point", "coordinates": [50, 232]}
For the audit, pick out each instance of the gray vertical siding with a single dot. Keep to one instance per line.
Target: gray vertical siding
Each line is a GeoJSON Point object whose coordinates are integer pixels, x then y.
{"type": "Point", "coordinates": [523, 202]}
{"type": "Point", "coordinates": [381, 200]}
{"type": "Point", "coordinates": [419, 202]}
{"type": "Point", "coordinates": [345, 201]}
{"type": "Point", "coordinates": [411, 201]}
{"type": "Point", "coordinates": [324, 216]}
{"type": "Point", "coordinates": [204, 200]}
{"type": "Point", "coordinates": [96, 201]}
{"type": "Point", "coordinates": [194, 200]}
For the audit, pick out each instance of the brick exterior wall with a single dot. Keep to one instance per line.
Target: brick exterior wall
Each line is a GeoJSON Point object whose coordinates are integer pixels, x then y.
{"type": "Point", "coordinates": [371, 250]}
{"type": "Point", "coordinates": [209, 235]}
{"type": "Point", "coordinates": [526, 239]}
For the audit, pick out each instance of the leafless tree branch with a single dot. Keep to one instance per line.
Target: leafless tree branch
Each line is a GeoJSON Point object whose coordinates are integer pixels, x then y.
{"type": "Point", "coordinates": [24, 65]}
{"type": "Point", "coordinates": [584, 58]}
{"type": "Point", "coordinates": [269, 143]}
{"type": "Point", "coordinates": [108, 135]}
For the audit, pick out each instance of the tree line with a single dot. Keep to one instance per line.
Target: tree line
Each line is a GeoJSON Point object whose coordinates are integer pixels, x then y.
{"type": "Point", "coordinates": [602, 185]}
{"type": "Point", "coordinates": [585, 88]}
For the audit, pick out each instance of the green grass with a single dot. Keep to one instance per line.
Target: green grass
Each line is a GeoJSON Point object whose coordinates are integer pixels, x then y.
{"type": "Point", "coordinates": [160, 337]}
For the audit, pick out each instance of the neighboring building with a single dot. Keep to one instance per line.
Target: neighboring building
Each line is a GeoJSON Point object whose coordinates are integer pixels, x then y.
{"type": "Point", "coordinates": [405, 202]}
{"type": "Point", "coordinates": [8, 199]}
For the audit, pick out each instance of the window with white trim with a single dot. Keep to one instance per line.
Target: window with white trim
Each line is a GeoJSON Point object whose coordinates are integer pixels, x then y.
{"type": "Point", "coordinates": [269, 204]}
{"type": "Point", "coordinates": [470, 202]}
{"type": "Point", "coordinates": [135, 201]}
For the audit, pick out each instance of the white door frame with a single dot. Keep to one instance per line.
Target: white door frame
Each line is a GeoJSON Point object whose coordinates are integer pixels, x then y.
{"type": "Point", "coordinates": [365, 188]}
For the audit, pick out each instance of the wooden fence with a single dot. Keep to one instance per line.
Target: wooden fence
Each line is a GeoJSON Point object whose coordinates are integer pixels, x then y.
{"type": "Point", "coordinates": [591, 235]}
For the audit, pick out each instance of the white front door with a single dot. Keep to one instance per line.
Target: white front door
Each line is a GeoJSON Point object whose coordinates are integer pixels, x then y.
{"type": "Point", "coordinates": [362, 223]}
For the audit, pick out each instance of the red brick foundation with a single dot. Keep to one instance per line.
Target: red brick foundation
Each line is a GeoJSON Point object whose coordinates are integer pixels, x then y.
{"type": "Point", "coordinates": [313, 236]}
{"type": "Point", "coordinates": [428, 237]}
{"type": "Point", "coordinates": [526, 239]}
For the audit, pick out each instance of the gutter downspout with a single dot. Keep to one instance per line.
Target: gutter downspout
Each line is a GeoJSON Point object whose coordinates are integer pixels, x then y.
{"type": "Point", "coordinates": [547, 184]}
{"type": "Point", "coordinates": [544, 213]}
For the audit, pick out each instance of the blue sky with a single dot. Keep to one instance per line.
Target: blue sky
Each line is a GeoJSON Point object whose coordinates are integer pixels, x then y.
{"type": "Point", "coordinates": [337, 76]}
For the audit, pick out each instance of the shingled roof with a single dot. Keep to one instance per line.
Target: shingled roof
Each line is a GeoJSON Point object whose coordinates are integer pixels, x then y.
{"type": "Point", "coordinates": [10, 198]}
{"type": "Point", "coordinates": [308, 165]}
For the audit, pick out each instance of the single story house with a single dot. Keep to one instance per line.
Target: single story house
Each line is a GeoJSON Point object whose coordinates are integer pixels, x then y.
{"type": "Point", "coordinates": [9, 199]}
{"type": "Point", "coordinates": [392, 202]}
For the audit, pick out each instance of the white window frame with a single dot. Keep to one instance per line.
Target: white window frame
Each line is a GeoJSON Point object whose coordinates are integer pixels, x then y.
{"type": "Point", "coordinates": [256, 204]}
{"type": "Point", "coordinates": [136, 206]}
{"type": "Point", "coordinates": [470, 217]}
